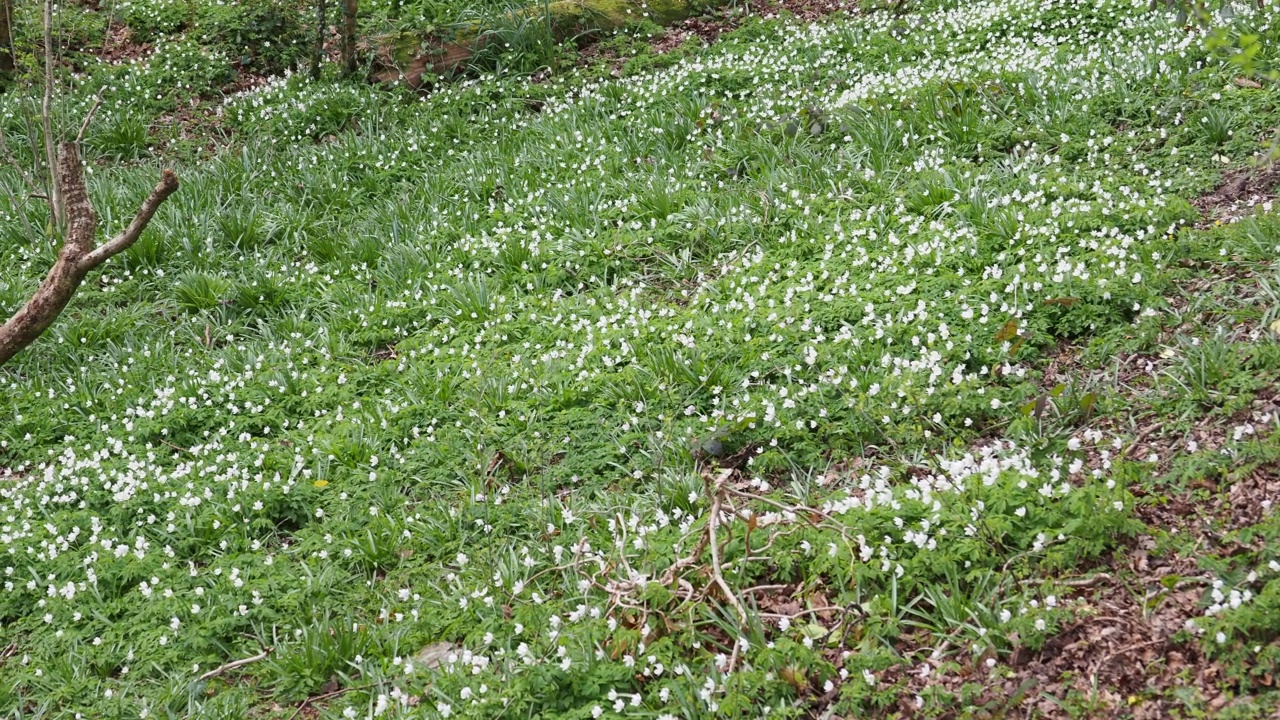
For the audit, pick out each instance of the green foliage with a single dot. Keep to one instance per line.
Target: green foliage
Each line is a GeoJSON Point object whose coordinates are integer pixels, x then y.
{"type": "Point", "coordinates": [197, 291]}
{"type": "Point", "coordinates": [121, 137]}
{"type": "Point", "coordinates": [149, 20]}
{"type": "Point", "coordinates": [398, 371]}
{"type": "Point", "coordinates": [265, 36]}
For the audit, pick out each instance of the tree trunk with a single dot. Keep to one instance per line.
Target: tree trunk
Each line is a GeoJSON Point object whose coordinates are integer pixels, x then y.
{"type": "Point", "coordinates": [321, 23]}
{"type": "Point", "coordinates": [349, 10]}
{"type": "Point", "coordinates": [78, 255]}
{"type": "Point", "coordinates": [6, 39]}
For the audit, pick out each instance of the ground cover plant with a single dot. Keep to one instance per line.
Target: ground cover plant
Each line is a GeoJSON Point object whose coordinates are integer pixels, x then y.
{"type": "Point", "coordinates": [908, 362]}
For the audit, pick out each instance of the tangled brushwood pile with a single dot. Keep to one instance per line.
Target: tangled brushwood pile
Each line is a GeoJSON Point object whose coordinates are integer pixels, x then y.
{"type": "Point", "coordinates": [901, 362]}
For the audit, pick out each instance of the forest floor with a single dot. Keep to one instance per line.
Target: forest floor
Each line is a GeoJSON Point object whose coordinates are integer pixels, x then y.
{"type": "Point", "coordinates": [801, 359]}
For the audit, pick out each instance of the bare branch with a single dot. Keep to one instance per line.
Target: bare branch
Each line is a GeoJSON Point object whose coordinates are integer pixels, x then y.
{"type": "Point", "coordinates": [167, 186]}
{"type": "Point", "coordinates": [97, 103]}
{"type": "Point", "coordinates": [77, 255]}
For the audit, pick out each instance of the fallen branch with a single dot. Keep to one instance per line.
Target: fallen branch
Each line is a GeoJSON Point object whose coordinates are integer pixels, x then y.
{"type": "Point", "coordinates": [228, 667]}
{"type": "Point", "coordinates": [689, 560]}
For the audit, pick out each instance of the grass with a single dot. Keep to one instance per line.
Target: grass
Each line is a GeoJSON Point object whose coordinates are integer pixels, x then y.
{"type": "Point", "coordinates": [918, 300]}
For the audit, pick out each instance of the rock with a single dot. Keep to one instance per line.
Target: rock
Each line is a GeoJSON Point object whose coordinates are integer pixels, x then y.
{"type": "Point", "coordinates": [434, 654]}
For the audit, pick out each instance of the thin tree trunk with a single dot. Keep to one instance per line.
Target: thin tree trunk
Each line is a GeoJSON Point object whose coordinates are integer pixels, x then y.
{"type": "Point", "coordinates": [321, 25]}
{"type": "Point", "coordinates": [6, 39]}
{"type": "Point", "coordinates": [78, 255]}
{"type": "Point", "coordinates": [349, 10]}
{"type": "Point", "coordinates": [46, 121]}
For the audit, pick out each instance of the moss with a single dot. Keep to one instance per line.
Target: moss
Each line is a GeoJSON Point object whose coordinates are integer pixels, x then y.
{"type": "Point", "coordinates": [400, 48]}
{"type": "Point", "coordinates": [575, 16]}
{"type": "Point", "coordinates": [410, 56]}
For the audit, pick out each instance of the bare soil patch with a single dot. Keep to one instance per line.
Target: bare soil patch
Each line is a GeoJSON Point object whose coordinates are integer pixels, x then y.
{"type": "Point", "coordinates": [119, 47]}
{"type": "Point", "coordinates": [1240, 191]}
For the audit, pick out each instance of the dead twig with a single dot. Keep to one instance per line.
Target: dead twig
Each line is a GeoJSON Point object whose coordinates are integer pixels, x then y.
{"type": "Point", "coordinates": [326, 696]}
{"type": "Point", "coordinates": [176, 447]}
{"type": "Point", "coordinates": [764, 588]}
{"type": "Point", "coordinates": [802, 613]}
{"type": "Point", "coordinates": [1109, 656]}
{"type": "Point", "coordinates": [1078, 582]}
{"type": "Point", "coordinates": [1138, 439]}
